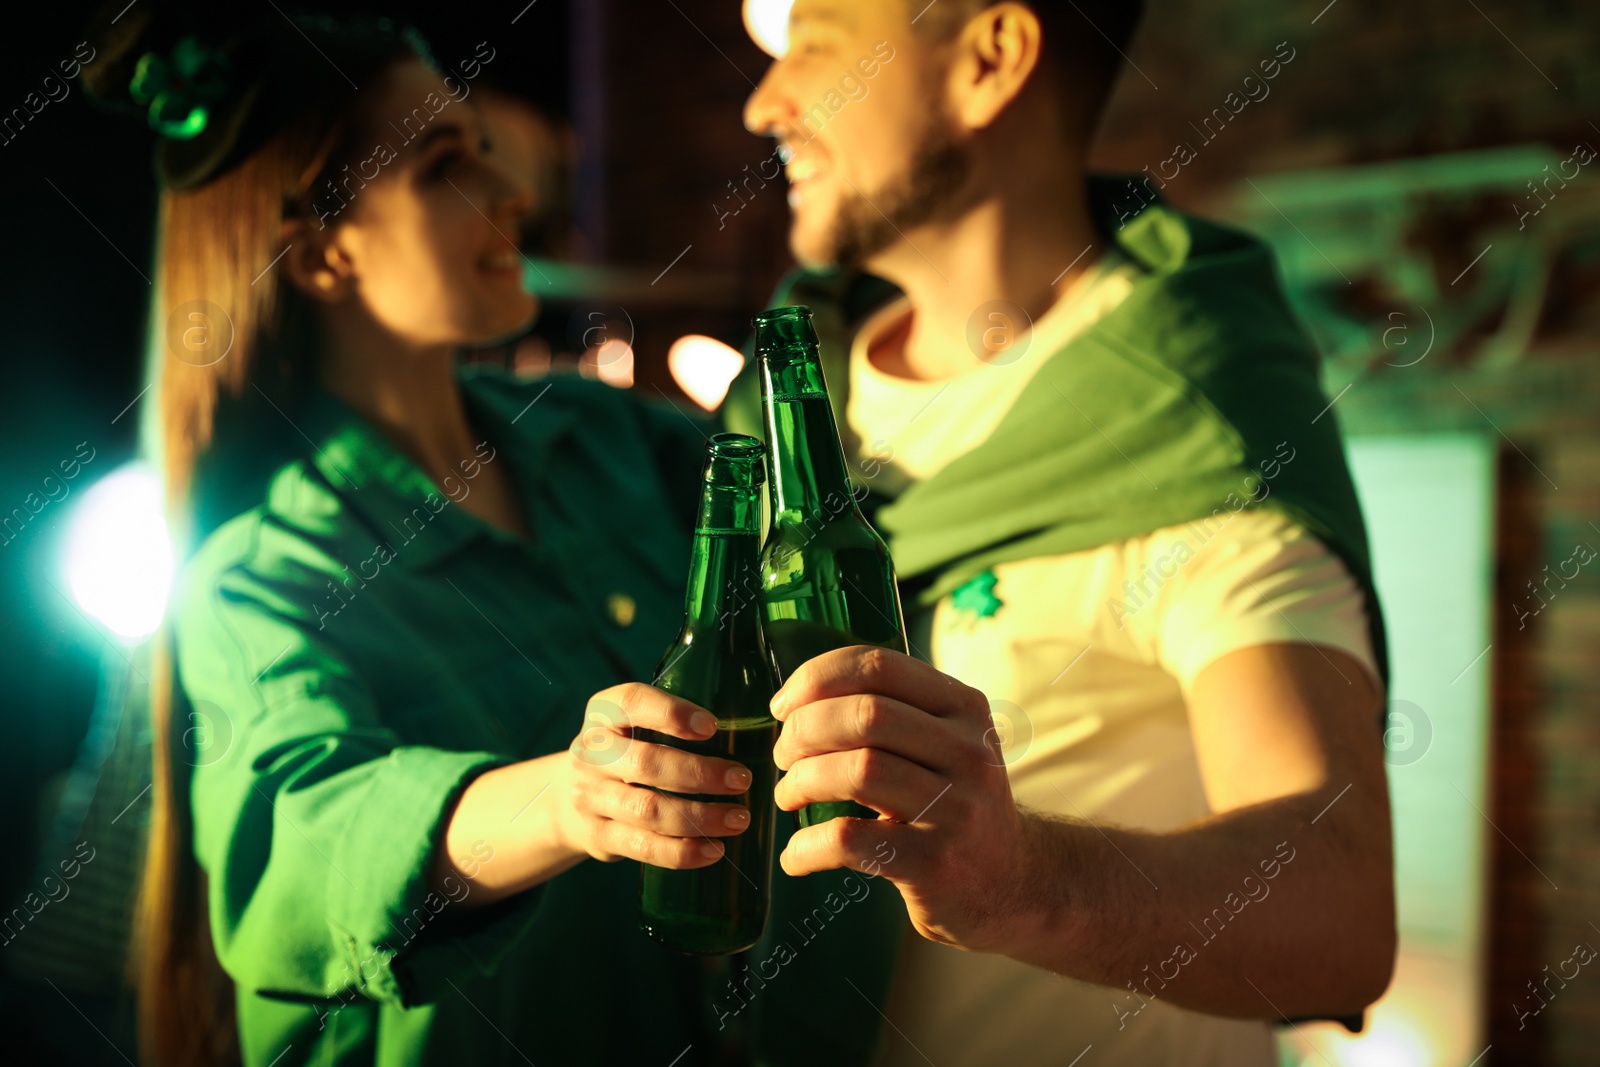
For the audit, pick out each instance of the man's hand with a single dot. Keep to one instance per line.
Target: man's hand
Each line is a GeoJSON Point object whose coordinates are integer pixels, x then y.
{"type": "Point", "coordinates": [889, 731]}
{"type": "Point", "coordinates": [1290, 753]}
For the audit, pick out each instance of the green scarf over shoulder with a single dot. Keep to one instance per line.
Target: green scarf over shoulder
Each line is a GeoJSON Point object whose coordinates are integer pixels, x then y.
{"type": "Point", "coordinates": [1198, 394]}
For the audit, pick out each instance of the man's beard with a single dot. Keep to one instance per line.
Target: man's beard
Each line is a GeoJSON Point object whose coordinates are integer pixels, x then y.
{"type": "Point", "coordinates": [866, 224]}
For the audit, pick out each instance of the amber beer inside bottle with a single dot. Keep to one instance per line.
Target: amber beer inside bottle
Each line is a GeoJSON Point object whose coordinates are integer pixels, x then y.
{"type": "Point", "coordinates": [826, 577]}
{"type": "Point", "coordinates": [721, 662]}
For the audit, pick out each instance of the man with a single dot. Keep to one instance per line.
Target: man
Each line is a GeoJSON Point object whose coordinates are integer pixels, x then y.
{"type": "Point", "coordinates": [1141, 783]}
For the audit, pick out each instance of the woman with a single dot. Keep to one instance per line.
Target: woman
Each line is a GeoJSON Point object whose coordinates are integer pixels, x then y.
{"type": "Point", "coordinates": [409, 586]}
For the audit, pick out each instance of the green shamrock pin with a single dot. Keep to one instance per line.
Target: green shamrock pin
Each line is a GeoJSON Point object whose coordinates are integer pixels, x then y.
{"type": "Point", "coordinates": [977, 596]}
{"type": "Point", "coordinates": [178, 90]}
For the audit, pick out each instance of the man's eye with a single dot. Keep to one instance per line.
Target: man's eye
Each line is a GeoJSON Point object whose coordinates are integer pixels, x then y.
{"type": "Point", "coordinates": [808, 45]}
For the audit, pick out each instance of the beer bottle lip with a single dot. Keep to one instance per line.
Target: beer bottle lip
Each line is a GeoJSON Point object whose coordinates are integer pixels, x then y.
{"type": "Point", "coordinates": [736, 445]}
{"type": "Point", "coordinates": [735, 461]}
{"type": "Point", "coordinates": [790, 314]}
{"type": "Point", "coordinates": [785, 335]}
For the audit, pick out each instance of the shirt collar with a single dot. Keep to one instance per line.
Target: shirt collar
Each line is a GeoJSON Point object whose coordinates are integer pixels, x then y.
{"type": "Point", "coordinates": [422, 522]}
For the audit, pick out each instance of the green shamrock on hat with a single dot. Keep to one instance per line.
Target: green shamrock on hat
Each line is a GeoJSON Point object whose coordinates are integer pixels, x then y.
{"type": "Point", "coordinates": [177, 90]}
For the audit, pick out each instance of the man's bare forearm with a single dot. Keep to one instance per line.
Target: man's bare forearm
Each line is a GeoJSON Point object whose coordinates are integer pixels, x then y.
{"type": "Point", "coordinates": [1282, 908]}
{"type": "Point", "coordinates": [1282, 903]}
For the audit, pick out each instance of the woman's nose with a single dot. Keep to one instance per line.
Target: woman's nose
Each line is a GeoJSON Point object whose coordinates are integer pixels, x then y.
{"type": "Point", "coordinates": [514, 196]}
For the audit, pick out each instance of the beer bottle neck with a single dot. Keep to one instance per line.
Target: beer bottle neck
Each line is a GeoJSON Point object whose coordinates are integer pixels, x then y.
{"type": "Point", "coordinates": [724, 567]}
{"type": "Point", "coordinates": [809, 476]}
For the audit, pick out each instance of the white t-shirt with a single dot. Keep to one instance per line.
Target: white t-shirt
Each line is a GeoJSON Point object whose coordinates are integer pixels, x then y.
{"type": "Point", "coordinates": [922, 425]}
{"type": "Point", "coordinates": [1087, 686]}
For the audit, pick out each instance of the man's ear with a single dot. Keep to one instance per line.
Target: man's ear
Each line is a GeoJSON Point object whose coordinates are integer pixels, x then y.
{"type": "Point", "coordinates": [999, 51]}
{"type": "Point", "coordinates": [314, 262]}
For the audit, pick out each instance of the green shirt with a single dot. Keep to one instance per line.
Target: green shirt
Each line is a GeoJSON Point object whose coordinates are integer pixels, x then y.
{"type": "Point", "coordinates": [359, 647]}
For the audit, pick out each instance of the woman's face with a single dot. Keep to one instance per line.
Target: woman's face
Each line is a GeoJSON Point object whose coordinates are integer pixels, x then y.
{"type": "Point", "coordinates": [426, 219]}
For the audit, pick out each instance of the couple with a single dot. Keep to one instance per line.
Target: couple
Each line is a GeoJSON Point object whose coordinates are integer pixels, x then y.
{"type": "Point", "coordinates": [1132, 782]}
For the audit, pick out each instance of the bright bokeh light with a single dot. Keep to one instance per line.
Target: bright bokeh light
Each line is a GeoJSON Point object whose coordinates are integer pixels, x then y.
{"type": "Point", "coordinates": [611, 362]}
{"type": "Point", "coordinates": [704, 368]}
{"type": "Point", "coordinates": [767, 23]}
{"type": "Point", "coordinates": [119, 558]}
{"type": "Point", "coordinates": [1385, 1048]}
{"type": "Point", "coordinates": [1394, 1037]}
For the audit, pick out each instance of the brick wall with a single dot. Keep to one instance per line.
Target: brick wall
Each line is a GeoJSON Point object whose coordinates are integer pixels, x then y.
{"type": "Point", "coordinates": [1371, 79]}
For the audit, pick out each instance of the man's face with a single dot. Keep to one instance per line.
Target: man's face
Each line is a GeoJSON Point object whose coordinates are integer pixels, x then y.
{"type": "Point", "coordinates": [856, 104]}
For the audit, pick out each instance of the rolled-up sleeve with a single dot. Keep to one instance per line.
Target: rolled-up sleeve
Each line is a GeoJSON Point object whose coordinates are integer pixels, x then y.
{"type": "Point", "coordinates": [316, 827]}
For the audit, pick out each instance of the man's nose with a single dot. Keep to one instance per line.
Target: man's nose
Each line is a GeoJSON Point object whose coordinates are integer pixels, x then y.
{"type": "Point", "coordinates": [765, 110]}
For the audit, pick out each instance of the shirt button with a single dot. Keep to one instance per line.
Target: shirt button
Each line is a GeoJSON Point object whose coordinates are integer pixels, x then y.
{"type": "Point", "coordinates": [622, 608]}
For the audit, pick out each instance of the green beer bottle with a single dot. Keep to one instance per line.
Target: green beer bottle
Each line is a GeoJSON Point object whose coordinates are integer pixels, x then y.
{"type": "Point", "coordinates": [720, 661]}
{"type": "Point", "coordinates": [826, 577]}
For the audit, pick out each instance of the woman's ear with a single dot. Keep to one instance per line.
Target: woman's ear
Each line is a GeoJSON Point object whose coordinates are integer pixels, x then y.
{"type": "Point", "coordinates": [315, 264]}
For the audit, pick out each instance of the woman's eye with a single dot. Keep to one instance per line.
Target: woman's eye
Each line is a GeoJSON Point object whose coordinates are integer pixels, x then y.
{"type": "Point", "coordinates": [445, 163]}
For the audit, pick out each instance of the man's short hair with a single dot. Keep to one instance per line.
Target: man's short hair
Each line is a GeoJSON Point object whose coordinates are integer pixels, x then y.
{"type": "Point", "coordinates": [1084, 42]}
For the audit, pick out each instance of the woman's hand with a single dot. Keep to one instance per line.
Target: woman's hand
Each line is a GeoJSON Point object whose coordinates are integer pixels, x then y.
{"type": "Point", "coordinates": [603, 802]}
{"type": "Point", "coordinates": [519, 825]}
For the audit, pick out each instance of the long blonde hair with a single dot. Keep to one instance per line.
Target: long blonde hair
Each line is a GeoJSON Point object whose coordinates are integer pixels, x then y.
{"type": "Point", "coordinates": [231, 346]}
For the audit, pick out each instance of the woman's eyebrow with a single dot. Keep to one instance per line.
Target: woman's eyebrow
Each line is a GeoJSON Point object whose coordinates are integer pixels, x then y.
{"type": "Point", "coordinates": [437, 133]}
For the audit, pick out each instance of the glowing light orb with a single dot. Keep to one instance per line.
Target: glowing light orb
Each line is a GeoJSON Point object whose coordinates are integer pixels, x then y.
{"type": "Point", "coordinates": [704, 368]}
{"type": "Point", "coordinates": [119, 558]}
{"type": "Point", "coordinates": [611, 362]}
{"type": "Point", "coordinates": [767, 23]}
